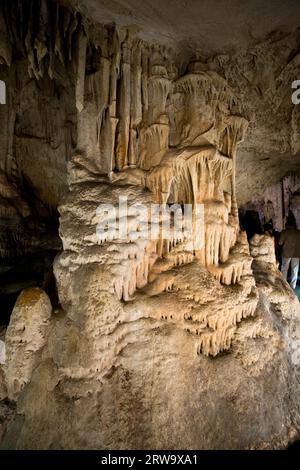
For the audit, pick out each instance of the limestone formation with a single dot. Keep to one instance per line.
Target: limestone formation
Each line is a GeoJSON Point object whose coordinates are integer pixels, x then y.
{"type": "Point", "coordinates": [25, 337]}
{"type": "Point", "coordinates": [144, 341]}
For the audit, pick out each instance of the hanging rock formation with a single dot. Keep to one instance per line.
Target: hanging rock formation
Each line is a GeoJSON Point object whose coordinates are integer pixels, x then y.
{"type": "Point", "coordinates": [156, 342]}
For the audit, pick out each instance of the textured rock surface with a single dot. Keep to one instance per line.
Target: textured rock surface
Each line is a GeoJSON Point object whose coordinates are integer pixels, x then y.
{"type": "Point", "coordinates": [258, 61]}
{"type": "Point", "coordinates": [223, 25]}
{"type": "Point", "coordinates": [156, 343]}
{"type": "Point", "coordinates": [157, 384]}
{"type": "Point", "coordinates": [25, 337]}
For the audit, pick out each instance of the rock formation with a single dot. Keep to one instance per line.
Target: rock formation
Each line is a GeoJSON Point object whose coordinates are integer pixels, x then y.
{"type": "Point", "coordinates": [152, 342]}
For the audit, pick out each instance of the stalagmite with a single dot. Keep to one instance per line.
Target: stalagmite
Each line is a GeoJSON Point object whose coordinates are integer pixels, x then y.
{"type": "Point", "coordinates": [25, 336]}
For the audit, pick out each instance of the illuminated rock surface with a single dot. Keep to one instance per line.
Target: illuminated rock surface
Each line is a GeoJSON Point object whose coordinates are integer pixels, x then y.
{"type": "Point", "coordinates": [148, 343]}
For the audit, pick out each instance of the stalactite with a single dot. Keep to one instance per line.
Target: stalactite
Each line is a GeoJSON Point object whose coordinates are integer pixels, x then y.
{"type": "Point", "coordinates": [5, 45]}
{"type": "Point", "coordinates": [145, 73]}
{"type": "Point", "coordinates": [81, 66]}
{"type": "Point", "coordinates": [136, 87]}
{"type": "Point", "coordinates": [31, 36]}
{"type": "Point", "coordinates": [123, 128]}
{"type": "Point", "coordinates": [171, 140]}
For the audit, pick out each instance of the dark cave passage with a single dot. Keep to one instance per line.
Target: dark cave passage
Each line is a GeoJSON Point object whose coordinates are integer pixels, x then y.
{"type": "Point", "coordinates": [250, 222]}
{"type": "Point", "coordinates": [30, 260]}
{"type": "Point", "coordinates": [31, 270]}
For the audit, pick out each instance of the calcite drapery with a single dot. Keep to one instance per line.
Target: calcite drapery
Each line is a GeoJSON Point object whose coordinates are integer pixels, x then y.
{"type": "Point", "coordinates": [136, 116]}
{"type": "Point", "coordinates": [137, 337]}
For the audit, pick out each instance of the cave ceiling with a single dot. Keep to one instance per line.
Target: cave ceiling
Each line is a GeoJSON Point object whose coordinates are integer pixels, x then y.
{"type": "Point", "coordinates": [207, 26]}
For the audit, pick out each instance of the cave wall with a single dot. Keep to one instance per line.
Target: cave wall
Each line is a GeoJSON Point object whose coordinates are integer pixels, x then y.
{"type": "Point", "coordinates": [94, 113]}
{"type": "Point", "coordinates": [39, 117]}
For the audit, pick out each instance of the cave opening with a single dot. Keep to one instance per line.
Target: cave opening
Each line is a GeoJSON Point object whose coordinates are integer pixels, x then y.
{"type": "Point", "coordinates": [33, 269]}
{"type": "Point", "coordinates": [30, 270]}
{"type": "Point", "coordinates": [27, 252]}
{"type": "Point", "coordinates": [250, 222]}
